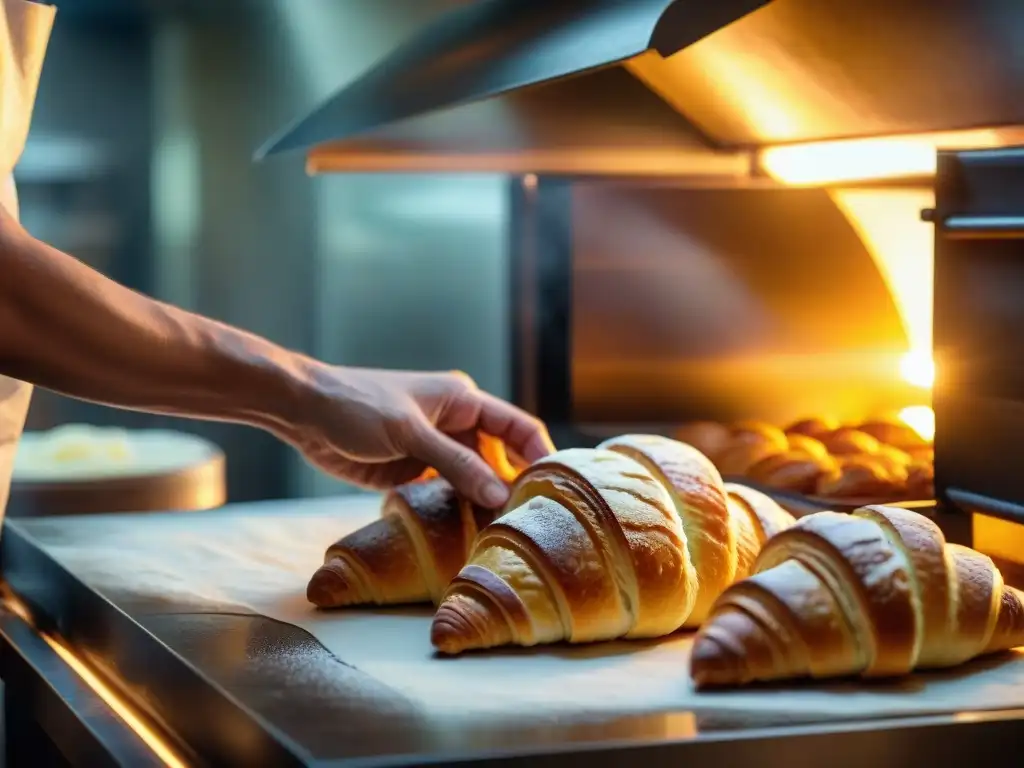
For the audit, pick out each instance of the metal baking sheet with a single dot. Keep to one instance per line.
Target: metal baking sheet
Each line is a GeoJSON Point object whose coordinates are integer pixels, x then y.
{"type": "Point", "coordinates": [241, 688]}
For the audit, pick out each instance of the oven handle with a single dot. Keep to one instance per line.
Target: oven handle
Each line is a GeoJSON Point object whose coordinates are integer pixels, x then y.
{"type": "Point", "coordinates": [977, 227]}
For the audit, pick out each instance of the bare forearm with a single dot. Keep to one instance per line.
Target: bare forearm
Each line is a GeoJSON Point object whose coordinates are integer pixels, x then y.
{"type": "Point", "coordinates": [65, 327]}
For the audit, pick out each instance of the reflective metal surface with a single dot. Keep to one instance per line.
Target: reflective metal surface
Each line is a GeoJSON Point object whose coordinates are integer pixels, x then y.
{"type": "Point", "coordinates": [243, 690]}
{"type": "Point", "coordinates": [793, 70]}
{"type": "Point", "coordinates": [800, 70]}
{"type": "Point", "coordinates": [979, 280]}
{"type": "Point", "coordinates": [495, 46]}
{"type": "Point", "coordinates": [649, 307]}
{"type": "Point", "coordinates": [605, 123]}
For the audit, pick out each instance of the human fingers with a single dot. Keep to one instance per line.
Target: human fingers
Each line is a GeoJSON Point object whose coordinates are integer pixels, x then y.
{"type": "Point", "coordinates": [523, 434]}
{"type": "Point", "coordinates": [459, 464]}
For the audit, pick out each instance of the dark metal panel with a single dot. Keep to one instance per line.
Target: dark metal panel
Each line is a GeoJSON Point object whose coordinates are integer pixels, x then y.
{"type": "Point", "coordinates": [42, 693]}
{"type": "Point", "coordinates": [801, 70]}
{"type": "Point", "coordinates": [160, 682]}
{"type": "Point", "coordinates": [494, 46]}
{"type": "Point", "coordinates": [979, 313]}
{"type": "Point", "coordinates": [541, 283]}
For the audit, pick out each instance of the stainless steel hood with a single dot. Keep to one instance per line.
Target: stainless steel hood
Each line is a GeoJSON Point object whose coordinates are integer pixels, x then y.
{"type": "Point", "coordinates": [688, 86]}
{"type": "Point", "coordinates": [530, 54]}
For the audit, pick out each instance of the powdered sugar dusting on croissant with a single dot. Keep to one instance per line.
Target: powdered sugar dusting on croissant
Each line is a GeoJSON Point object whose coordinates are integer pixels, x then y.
{"type": "Point", "coordinates": [623, 541]}
{"type": "Point", "coordinates": [877, 593]}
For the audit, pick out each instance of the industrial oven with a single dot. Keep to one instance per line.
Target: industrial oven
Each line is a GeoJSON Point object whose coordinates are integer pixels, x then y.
{"type": "Point", "coordinates": [719, 212]}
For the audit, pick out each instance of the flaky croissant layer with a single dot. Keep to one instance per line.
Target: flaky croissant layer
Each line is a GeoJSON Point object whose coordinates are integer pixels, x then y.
{"type": "Point", "coordinates": [876, 594]}
{"type": "Point", "coordinates": [634, 539]}
{"type": "Point", "coordinates": [414, 550]}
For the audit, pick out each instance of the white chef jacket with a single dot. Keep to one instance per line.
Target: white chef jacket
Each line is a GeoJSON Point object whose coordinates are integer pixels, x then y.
{"type": "Point", "coordinates": [24, 33]}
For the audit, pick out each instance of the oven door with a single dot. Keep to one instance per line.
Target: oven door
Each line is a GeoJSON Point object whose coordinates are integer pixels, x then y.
{"type": "Point", "coordinates": [979, 331]}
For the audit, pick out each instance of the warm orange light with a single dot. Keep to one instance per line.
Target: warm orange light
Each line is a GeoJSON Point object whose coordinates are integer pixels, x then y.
{"type": "Point", "coordinates": [920, 418]}
{"type": "Point", "coordinates": [149, 737]}
{"type": "Point", "coordinates": [902, 247]}
{"type": "Point", "coordinates": [160, 748]}
{"type": "Point", "coordinates": [918, 368]}
{"type": "Point", "coordinates": [838, 161]}
{"type": "Point", "coordinates": [835, 162]}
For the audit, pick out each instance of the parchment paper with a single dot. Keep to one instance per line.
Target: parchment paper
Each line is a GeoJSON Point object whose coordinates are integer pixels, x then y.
{"type": "Point", "coordinates": [258, 558]}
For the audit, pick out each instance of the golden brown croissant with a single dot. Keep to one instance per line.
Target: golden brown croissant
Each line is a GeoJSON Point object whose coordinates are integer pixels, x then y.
{"type": "Point", "coordinates": [863, 476]}
{"type": "Point", "coordinates": [846, 441]}
{"type": "Point", "coordinates": [751, 442]}
{"type": "Point", "coordinates": [708, 437]}
{"type": "Point", "coordinates": [407, 556]}
{"type": "Point", "coordinates": [792, 471]}
{"type": "Point", "coordinates": [807, 445]}
{"type": "Point", "coordinates": [814, 427]}
{"type": "Point", "coordinates": [633, 539]}
{"type": "Point", "coordinates": [893, 432]}
{"type": "Point", "coordinates": [757, 518]}
{"type": "Point", "coordinates": [411, 553]}
{"type": "Point", "coordinates": [877, 593]}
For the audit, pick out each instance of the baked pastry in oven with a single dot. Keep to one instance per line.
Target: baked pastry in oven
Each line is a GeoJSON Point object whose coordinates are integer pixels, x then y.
{"type": "Point", "coordinates": [862, 476]}
{"type": "Point", "coordinates": [847, 441]}
{"type": "Point", "coordinates": [793, 471]}
{"type": "Point", "coordinates": [813, 427]}
{"type": "Point", "coordinates": [894, 433]}
{"type": "Point", "coordinates": [751, 442]}
{"type": "Point", "coordinates": [708, 437]}
{"type": "Point", "coordinates": [819, 457]}
{"type": "Point", "coordinates": [876, 594]}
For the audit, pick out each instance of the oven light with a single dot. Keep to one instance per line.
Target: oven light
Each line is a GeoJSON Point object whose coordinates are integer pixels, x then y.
{"type": "Point", "coordinates": [859, 160]}
{"type": "Point", "coordinates": [844, 161]}
{"type": "Point", "coordinates": [918, 368]}
{"type": "Point", "coordinates": [921, 419]}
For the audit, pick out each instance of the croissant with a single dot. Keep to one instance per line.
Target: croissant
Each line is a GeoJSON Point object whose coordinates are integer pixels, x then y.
{"type": "Point", "coordinates": [877, 594]}
{"type": "Point", "coordinates": [409, 555]}
{"type": "Point", "coordinates": [757, 518]}
{"type": "Point", "coordinates": [814, 427]}
{"type": "Point", "coordinates": [807, 445]}
{"type": "Point", "coordinates": [751, 442]}
{"type": "Point", "coordinates": [708, 437]}
{"type": "Point", "coordinates": [792, 471]}
{"type": "Point", "coordinates": [863, 476]}
{"type": "Point", "coordinates": [894, 433]}
{"type": "Point", "coordinates": [847, 440]}
{"type": "Point", "coordinates": [633, 539]}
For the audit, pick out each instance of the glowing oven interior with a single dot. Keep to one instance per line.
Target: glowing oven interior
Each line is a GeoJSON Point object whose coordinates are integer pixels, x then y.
{"type": "Point", "coordinates": [809, 292]}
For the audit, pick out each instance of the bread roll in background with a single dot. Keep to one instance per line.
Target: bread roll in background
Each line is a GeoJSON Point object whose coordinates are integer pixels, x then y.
{"type": "Point", "coordinates": [813, 427]}
{"type": "Point", "coordinates": [708, 437]}
{"type": "Point", "coordinates": [846, 441]}
{"type": "Point", "coordinates": [808, 446]}
{"type": "Point", "coordinates": [894, 433]}
{"type": "Point", "coordinates": [793, 471]}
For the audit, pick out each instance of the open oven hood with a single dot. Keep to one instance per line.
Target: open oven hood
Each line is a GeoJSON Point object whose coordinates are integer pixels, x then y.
{"type": "Point", "coordinates": [670, 86]}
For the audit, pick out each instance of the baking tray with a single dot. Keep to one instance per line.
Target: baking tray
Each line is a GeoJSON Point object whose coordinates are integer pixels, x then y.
{"type": "Point", "coordinates": [240, 689]}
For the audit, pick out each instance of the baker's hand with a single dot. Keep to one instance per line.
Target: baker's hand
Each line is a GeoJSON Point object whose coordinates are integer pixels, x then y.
{"type": "Point", "coordinates": [378, 428]}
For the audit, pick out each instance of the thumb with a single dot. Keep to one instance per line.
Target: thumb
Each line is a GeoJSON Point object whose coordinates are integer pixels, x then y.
{"type": "Point", "coordinates": [459, 465]}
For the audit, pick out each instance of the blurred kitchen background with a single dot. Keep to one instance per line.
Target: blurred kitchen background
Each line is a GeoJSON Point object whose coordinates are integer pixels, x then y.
{"type": "Point", "coordinates": [139, 163]}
